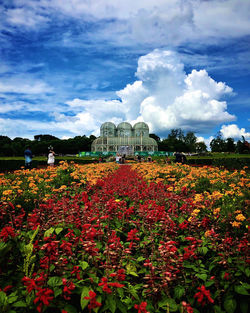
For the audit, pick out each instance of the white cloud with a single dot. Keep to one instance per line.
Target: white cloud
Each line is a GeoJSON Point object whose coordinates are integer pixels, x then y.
{"type": "Point", "coordinates": [179, 100]}
{"type": "Point", "coordinates": [161, 22]}
{"type": "Point", "coordinates": [25, 17]}
{"type": "Point", "coordinates": [24, 84]}
{"type": "Point", "coordinates": [205, 140]}
{"type": "Point", "coordinates": [233, 131]}
{"type": "Point", "coordinates": [165, 97]}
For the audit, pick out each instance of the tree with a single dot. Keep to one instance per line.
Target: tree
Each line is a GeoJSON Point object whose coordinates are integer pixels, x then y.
{"type": "Point", "coordinates": [200, 147]}
{"type": "Point", "coordinates": [155, 137]}
{"type": "Point", "coordinates": [242, 146]}
{"type": "Point", "coordinates": [230, 145]}
{"type": "Point", "coordinates": [190, 141]}
{"type": "Point", "coordinates": [218, 144]}
{"type": "Point", "coordinates": [45, 137]}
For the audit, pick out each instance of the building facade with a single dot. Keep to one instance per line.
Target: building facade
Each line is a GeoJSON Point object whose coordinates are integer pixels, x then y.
{"type": "Point", "coordinates": [124, 139]}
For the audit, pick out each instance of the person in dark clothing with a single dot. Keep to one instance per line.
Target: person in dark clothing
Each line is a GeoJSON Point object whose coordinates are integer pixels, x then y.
{"type": "Point", "coordinates": [28, 158]}
{"type": "Point", "coordinates": [178, 157]}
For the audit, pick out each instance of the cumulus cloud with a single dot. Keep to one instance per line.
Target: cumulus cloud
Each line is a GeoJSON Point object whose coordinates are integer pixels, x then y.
{"type": "Point", "coordinates": [233, 131]}
{"type": "Point", "coordinates": [165, 97]}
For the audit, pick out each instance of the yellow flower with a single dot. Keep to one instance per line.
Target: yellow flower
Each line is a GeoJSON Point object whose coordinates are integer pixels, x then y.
{"type": "Point", "coordinates": [7, 192]}
{"type": "Point", "coordinates": [195, 212]}
{"type": "Point", "coordinates": [236, 224]}
{"type": "Point", "coordinates": [216, 211]}
{"type": "Point", "coordinates": [240, 217]}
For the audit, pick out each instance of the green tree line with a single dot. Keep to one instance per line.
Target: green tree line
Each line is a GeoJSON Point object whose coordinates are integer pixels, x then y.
{"type": "Point", "coordinates": [41, 144]}
{"type": "Point", "coordinates": [177, 140]}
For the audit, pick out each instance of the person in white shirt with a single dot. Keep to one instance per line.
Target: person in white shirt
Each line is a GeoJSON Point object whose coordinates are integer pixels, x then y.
{"type": "Point", "coordinates": [51, 158]}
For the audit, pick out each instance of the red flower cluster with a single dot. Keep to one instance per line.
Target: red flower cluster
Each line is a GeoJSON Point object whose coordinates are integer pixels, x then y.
{"type": "Point", "coordinates": [203, 296]}
{"type": "Point", "coordinates": [141, 307]}
{"type": "Point", "coordinates": [93, 303]}
{"type": "Point", "coordinates": [105, 285]}
{"type": "Point", "coordinates": [43, 297]}
{"type": "Point", "coordinates": [7, 232]}
{"type": "Point", "coordinates": [68, 288]}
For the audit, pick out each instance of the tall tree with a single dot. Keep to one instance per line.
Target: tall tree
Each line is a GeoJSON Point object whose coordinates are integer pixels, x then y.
{"type": "Point", "coordinates": [190, 141]}
{"type": "Point", "coordinates": [218, 144]}
{"type": "Point", "coordinates": [230, 145]}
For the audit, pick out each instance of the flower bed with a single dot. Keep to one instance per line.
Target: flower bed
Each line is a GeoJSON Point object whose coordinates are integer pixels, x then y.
{"type": "Point", "coordinates": [140, 238]}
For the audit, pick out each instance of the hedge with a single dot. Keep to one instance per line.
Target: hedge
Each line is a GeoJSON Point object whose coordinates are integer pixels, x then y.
{"type": "Point", "coordinates": [229, 163]}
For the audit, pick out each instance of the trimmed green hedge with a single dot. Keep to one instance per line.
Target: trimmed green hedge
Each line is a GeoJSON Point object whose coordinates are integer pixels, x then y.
{"type": "Point", "coordinates": [12, 164]}
{"type": "Point", "coordinates": [229, 163]}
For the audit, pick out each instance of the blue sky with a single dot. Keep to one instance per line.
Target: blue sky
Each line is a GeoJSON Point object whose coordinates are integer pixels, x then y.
{"type": "Point", "coordinates": [68, 66]}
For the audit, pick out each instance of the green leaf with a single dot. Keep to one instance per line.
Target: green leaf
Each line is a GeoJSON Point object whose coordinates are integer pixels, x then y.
{"type": "Point", "coordinates": [55, 281]}
{"type": "Point", "coordinates": [111, 303]}
{"type": "Point", "coordinates": [19, 304]}
{"type": "Point", "coordinates": [28, 248]}
{"type": "Point", "coordinates": [209, 283]}
{"type": "Point", "coordinates": [84, 293]}
{"type": "Point", "coordinates": [48, 232]}
{"type": "Point", "coordinates": [247, 271]}
{"type": "Point", "coordinates": [57, 292]}
{"type": "Point", "coordinates": [141, 258]}
{"type": "Point", "coordinates": [58, 230]}
{"type": "Point", "coordinates": [168, 303]}
{"type": "Point", "coordinates": [246, 285]}
{"type": "Point", "coordinates": [83, 265]}
{"type": "Point", "coordinates": [121, 306]}
{"type": "Point", "coordinates": [12, 299]}
{"type": "Point", "coordinates": [217, 309]}
{"type": "Point", "coordinates": [230, 305]}
{"type": "Point", "coordinates": [133, 292]}
{"type": "Point", "coordinates": [202, 276]}
{"type": "Point", "coordinates": [179, 292]}
{"type": "Point", "coordinates": [3, 298]}
{"type": "Point", "coordinates": [241, 290]}
{"type": "Point", "coordinates": [131, 269]}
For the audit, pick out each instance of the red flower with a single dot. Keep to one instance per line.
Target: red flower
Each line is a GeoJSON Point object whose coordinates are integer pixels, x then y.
{"type": "Point", "coordinates": [226, 276]}
{"type": "Point", "coordinates": [121, 274]}
{"type": "Point", "coordinates": [203, 295]}
{"type": "Point", "coordinates": [76, 271]}
{"type": "Point", "coordinates": [7, 232]}
{"type": "Point", "coordinates": [93, 303]}
{"type": "Point", "coordinates": [29, 283]}
{"type": "Point", "coordinates": [44, 296]}
{"type": "Point", "coordinates": [66, 246]}
{"type": "Point", "coordinates": [141, 308]}
{"type": "Point", "coordinates": [67, 289]}
{"type": "Point", "coordinates": [132, 235]}
{"type": "Point", "coordinates": [104, 285]}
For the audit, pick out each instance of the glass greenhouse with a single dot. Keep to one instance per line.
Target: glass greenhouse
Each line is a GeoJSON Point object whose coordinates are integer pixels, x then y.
{"type": "Point", "coordinates": [124, 139]}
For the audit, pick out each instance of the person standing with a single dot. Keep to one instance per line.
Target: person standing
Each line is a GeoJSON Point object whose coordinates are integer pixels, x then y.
{"type": "Point", "coordinates": [51, 158]}
{"type": "Point", "coordinates": [28, 158]}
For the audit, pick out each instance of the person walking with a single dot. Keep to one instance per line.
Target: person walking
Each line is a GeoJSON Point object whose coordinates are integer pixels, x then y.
{"type": "Point", "coordinates": [28, 158]}
{"type": "Point", "coordinates": [51, 158]}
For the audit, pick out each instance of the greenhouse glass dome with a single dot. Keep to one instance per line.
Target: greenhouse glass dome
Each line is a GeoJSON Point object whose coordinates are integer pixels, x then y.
{"type": "Point", "coordinates": [124, 139]}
